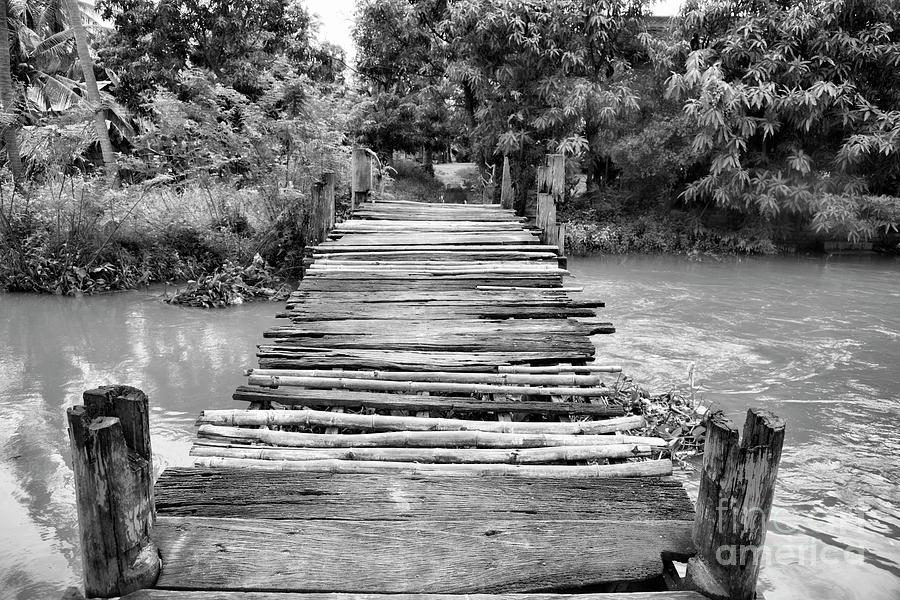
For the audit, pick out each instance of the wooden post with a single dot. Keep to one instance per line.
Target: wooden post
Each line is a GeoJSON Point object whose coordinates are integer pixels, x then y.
{"type": "Point", "coordinates": [545, 217]}
{"type": "Point", "coordinates": [318, 228]}
{"type": "Point", "coordinates": [328, 180]}
{"type": "Point", "coordinates": [506, 187]}
{"type": "Point", "coordinates": [737, 483]}
{"type": "Point", "coordinates": [113, 464]}
{"type": "Point", "coordinates": [361, 166]}
{"type": "Point", "coordinates": [561, 238]}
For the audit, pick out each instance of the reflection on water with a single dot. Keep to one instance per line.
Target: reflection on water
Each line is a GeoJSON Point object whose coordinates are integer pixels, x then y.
{"type": "Point", "coordinates": [55, 348]}
{"type": "Point", "coordinates": [818, 342]}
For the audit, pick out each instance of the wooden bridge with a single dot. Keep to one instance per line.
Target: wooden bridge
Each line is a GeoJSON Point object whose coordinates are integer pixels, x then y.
{"type": "Point", "coordinates": [429, 419]}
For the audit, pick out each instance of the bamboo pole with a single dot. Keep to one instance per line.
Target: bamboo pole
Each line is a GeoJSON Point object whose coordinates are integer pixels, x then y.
{"type": "Point", "coordinates": [418, 439]}
{"type": "Point", "coordinates": [112, 461]}
{"type": "Point", "coordinates": [427, 455]}
{"type": "Point", "coordinates": [310, 418]}
{"type": "Point", "coordinates": [649, 468]}
{"type": "Point", "coordinates": [420, 386]}
{"type": "Point", "coordinates": [503, 378]}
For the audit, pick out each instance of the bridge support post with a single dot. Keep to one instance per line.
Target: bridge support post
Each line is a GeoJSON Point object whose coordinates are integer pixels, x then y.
{"type": "Point", "coordinates": [551, 182]}
{"type": "Point", "coordinates": [507, 197]}
{"type": "Point", "coordinates": [328, 180]}
{"type": "Point", "coordinates": [113, 464]}
{"type": "Point", "coordinates": [737, 484]}
{"type": "Point", "coordinates": [361, 167]}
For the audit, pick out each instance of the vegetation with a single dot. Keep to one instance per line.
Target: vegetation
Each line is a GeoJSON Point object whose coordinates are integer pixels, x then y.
{"type": "Point", "coordinates": [220, 116]}
{"type": "Point", "coordinates": [158, 140]}
{"type": "Point", "coordinates": [754, 120]}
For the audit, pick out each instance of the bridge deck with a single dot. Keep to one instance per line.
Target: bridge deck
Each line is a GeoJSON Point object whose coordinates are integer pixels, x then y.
{"type": "Point", "coordinates": [428, 420]}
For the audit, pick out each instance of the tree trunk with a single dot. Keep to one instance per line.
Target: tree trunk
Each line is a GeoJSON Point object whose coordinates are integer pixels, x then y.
{"type": "Point", "coordinates": [9, 101]}
{"type": "Point", "coordinates": [93, 92]}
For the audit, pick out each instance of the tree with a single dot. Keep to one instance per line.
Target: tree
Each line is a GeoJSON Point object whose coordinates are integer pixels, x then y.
{"type": "Point", "coordinates": [93, 92]}
{"type": "Point", "coordinates": [796, 106]}
{"type": "Point", "coordinates": [401, 60]}
{"type": "Point", "coordinates": [10, 119]}
{"type": "Point", "coordinates": [235, 40]}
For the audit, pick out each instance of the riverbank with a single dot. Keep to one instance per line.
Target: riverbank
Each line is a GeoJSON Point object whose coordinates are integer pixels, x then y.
{"type": "Point", "coordinates": [75, 236]}
{"type": "Point", "coordinates": [658, 232]}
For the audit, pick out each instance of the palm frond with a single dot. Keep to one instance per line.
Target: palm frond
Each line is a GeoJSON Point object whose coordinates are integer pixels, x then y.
{"type": "Point", "coordinates": [56, 45]}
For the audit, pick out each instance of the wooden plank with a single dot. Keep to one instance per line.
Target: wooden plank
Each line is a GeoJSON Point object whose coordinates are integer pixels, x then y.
{"type": "Point", "coordinates": [233, 493]}
{"type": "Point", "coordinates": [220, 595]}
{"type": "Point", "coordinates": [305, 312]}
{"type": "Point", "coordinates": [421, 556]}
{"type": "Point", "coordinates": [421, 386]}
{"type": "Point", "coordinates": [288, 356]}
{"type": "Point", "coordinates": [559, 378]}
{"type": "Point", "coordinates": [441, 404]}
{"type": "Point", "coordinates": [332, 247]}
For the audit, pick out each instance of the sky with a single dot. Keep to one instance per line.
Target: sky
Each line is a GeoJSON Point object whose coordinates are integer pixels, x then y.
{"type": "Point", "coordinates": [336, 19]}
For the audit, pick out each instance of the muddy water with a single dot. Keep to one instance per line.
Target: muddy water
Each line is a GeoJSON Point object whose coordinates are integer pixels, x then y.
{"type": "Point", "coordinates": [54, 348]}
{"type": "Point", "coordinates": [816, 341]}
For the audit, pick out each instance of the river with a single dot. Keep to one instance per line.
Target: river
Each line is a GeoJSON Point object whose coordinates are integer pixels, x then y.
{"type": "Point", "coordinates": [815, 340]}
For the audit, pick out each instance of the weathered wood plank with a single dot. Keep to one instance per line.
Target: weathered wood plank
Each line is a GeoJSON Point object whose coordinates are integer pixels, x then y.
{"type": "Point", "coordinates": [440, 404]}
{"type": "Point", "coordinates": [421, 556]}
{"type": "Point", "coordinates": [285, 355]}
{"type": "Point", "coordinates": [233, 493]}
{"type": "Point", "coordinates": [219, 595]}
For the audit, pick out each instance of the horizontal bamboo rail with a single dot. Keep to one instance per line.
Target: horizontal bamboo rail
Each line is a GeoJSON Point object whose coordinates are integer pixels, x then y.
{"type": "Point", "coordinates": [649, 468]}
{"type": "Point", "coordinates": [309, 418]}
{"type": "Point", "coordinates": [418, 439]}
{"type": "Point", "coordinates": [429, 455]}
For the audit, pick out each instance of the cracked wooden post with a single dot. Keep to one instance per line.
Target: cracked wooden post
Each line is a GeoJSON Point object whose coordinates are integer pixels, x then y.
{"type": "Point", "coordinates": [551, 180]}
{"type": "Point", "coordinates": [317, 212]}
{"type": "Point", "coordinates": [507, 196]}
{"type": "Point", "coordinates": [328, 179]}
{"type": "Point", "coordinates": [113, 465]}
{"type": "Point", "coordinates": [361, 167]}
{"type": "Point", "coordinates": [737, 483]}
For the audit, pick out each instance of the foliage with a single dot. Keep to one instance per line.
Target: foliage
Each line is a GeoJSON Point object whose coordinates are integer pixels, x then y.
{"type": "Point", "coordinates": [231, 284]}
{"type": "Point", "coordinates": [401, 61]}
{"type": "Point", "coordinates": [521, 77]}
{"type": "Point", "coordinates": [660, 232]}
{"type": "Point", "coordinates": [233, 40]}
{"type": "Point", "coordinates": [796, 107]}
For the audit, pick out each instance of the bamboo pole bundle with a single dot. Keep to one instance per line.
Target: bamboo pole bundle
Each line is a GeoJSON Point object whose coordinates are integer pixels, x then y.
{"type": "Point", "coordinates": [503, 378]}
{"type": "Point", "coordinates": [427, 455]}
{"type": "Point", "coordinates": [309, 418]}
{"type": "Point", "coordinates": [420, 386]}
{"type": "Point", "coordinates": [417, 439]}
{"type": "Point", "coordinates": [589, 368]}
{"type": "Point", "coordinates": [649, 468]}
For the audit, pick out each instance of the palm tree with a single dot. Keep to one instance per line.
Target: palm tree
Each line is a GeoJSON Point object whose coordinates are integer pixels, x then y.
{"type": "Point", "coordinates": [91, 89]}
{"type": "Point", "coordinates": [9, 119]}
